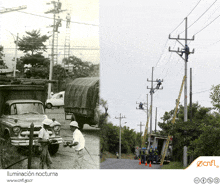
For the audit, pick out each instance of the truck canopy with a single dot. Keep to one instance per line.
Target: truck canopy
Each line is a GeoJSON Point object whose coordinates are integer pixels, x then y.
{"type": "Point", "coordinates": [81, 95]}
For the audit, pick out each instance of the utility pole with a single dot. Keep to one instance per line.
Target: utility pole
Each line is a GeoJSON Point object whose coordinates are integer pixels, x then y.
{"type": "Point", "coordinates": [151, 93]}
{"type": "Point", "coordinates": [6, 10]}
{"type": "Point", "coordinates": [140, 131]}
{"type": "Point", "coordinates": [156, 121]}
{"type": "Point", "coordinates": [180, 53]}
{"type": "Point", "coordinates": [56, 10]}
{"type": "Point", "coordinates": [120, 117]}
{"type": "Point", "coordinates": [191, 95]}
{"type": "Point", "coordinates": [16, 48]}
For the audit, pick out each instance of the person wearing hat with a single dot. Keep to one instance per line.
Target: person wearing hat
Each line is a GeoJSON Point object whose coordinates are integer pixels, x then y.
{"type": "Point", "coordinates": [151, 153]}
{"type": "Point", "coordinates": [78, 143]}
{"type": "Point", "coordinates": [43, 139]}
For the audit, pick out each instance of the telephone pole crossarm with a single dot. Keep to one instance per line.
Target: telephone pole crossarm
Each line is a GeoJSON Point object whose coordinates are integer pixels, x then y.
{"type": "Point", "coordinates": [178, 38]}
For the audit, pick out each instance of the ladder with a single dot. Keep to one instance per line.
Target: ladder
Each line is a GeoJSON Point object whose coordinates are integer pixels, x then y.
{"type": "Point", "coordinates": [67, 45]}
{"type": "Point", "coordinates": [55, 48]}
{"type": "Point", "coordinates": [146, 128]}
{"type": "Point", "coordinates": [173, 121]}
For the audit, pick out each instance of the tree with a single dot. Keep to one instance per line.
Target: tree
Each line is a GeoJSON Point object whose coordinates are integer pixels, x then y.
{"type": "Point", "coordinates": [80, 68]}
{"type": "Point", "coordinates": [2, 64]}
{"type": "Point", "coordinates": [215, 96]}
{"type": "Point", "coordinates": [35, 60]}
{"type": "Point", "coordinates": [186, 133]}
{"type": "Point", "coordinates": [33, 42]}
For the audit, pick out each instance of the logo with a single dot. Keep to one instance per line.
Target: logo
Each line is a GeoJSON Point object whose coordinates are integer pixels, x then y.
{"type": "Point", "coordinates": [209, 180]}
{"type": "Point", "coordinates": [216, 180]}
{"type": "Point", "coordinates": [207, 163]}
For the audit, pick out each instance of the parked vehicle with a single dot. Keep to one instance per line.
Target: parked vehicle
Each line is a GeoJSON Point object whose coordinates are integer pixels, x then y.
{"type": "Point", "coordinates": [160, 142]}
{"type": "Point", "coordinates": [57, 100]}
{"type": "Point", "coordinates": [21, 105]}
{"type": "Point", "coordinates": [81, 99]}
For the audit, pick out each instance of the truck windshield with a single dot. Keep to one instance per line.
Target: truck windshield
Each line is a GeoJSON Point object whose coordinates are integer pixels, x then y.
{"type": "Point", "coordinates": [26, 108]}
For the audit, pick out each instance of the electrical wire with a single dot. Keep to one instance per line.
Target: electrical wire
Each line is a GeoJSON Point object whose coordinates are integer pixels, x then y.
{"type": "Point", "coordinates": [200, 16]}
{"type": "Point", "coordinates": [162, 53]}
{"type": "Point", "coordinates": [207, 25]}
{"type": "Point", "coordinates": [186, 16]}
{"type": "Point", "coordinates": [56, 19]}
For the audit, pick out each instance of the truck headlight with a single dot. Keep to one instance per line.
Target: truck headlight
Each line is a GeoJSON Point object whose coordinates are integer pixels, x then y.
{"type": "Point", "coordinates": [56, 128]}
{"type": "Point", "coordinates": [16, 129]}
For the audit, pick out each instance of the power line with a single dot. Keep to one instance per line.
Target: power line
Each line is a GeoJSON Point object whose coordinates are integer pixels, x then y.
{"type": "Point", "coordinates": [201, 15]}
{"type": "Point", "coordinates": [207, 25]}
{"type": "Point", "coordinates": [186, 16]}
{"type": "Point", "coordinates": [52, 18]}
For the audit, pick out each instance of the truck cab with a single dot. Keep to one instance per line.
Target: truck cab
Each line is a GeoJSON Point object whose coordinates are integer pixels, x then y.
{"type": "Point", "coordinates": [20, 106]}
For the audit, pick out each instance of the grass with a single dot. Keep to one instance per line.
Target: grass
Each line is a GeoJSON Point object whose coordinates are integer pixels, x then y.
{"type": "Point", "coordinates": [173, 165]}
{"type": "Point", "coordinates": [110, 155]}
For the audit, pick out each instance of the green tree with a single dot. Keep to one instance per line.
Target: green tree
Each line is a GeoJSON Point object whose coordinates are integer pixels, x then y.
{"type": "Point", "coordinates": [215, 96]}
{"type": "Point", "coordinates": [185, 133]}
{"type": "Point", "coordinates": [33, 42]}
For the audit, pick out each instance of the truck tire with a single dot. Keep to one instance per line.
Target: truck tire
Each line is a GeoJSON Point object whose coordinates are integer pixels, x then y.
{"type": "Point", "coordinates": [53, 148]}
{"type": "Point", "coordinates": [49, 106]}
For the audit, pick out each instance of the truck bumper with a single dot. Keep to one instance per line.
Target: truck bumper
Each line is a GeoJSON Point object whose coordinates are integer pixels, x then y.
{"type": "Point", "coordinates": [25, 142]}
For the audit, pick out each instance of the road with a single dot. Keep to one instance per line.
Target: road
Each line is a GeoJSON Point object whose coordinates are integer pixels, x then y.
{"type": "Point", "coordinates": [112, 163]}
{"type": "Point", "coordinates": [64, 158]}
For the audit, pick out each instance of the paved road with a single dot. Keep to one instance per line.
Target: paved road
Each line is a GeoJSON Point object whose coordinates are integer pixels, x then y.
{"type": "Point", "coordinates": [111, 163]}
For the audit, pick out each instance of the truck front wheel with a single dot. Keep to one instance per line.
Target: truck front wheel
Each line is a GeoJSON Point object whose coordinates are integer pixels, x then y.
{"type": "Point", "coordinates": [53, 148]}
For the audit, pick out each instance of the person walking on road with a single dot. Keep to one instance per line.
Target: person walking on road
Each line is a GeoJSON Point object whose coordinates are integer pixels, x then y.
{"type": "Point", "coordinates": [44, 141]}
{"type": "Point", "coordinates": [117, 155]}
{"type": "Point", "coordinates": [78, 143]}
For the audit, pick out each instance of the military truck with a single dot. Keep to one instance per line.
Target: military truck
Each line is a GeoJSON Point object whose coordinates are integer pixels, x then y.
{"type": "Point", "coordinates": [22, 103]}
{"type": "Point", "coordinates": [81, 99]}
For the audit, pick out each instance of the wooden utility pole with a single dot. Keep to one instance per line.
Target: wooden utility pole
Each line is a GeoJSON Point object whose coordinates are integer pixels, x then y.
{"type": "Point", "coordinates": [120, 117]}
{"type": "Point", "coordinates": [191, 95]}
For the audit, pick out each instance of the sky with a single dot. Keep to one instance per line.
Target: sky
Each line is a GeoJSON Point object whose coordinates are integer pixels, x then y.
{"type": "Point", "coordinates": [84, 27]}
{"type": "Point", "coordinates": [134, 38]}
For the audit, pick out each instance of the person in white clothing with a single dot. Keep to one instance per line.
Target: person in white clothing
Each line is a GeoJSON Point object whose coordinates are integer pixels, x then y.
{"type": "Point", "coordinates": [43, 139]}
{"type": "Point", "coordinates": [78, 143]}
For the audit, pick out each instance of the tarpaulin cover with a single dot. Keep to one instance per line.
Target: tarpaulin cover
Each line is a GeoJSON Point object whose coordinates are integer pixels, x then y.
{"type": "Point", "coordinates": [82, 93]}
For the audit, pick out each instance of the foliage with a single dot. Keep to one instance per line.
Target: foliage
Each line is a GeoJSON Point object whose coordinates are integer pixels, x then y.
{"type": "Point", "coordinates": [215, 96]}
{"type": "Point", "coordinates": [200, 135]}
{"type": "Point", "coordinates": [174, 165]}
{"type": "Point", "coordinates": [109, 134]}
{"type": "Point", "coordinates": [2, 64]}
{"type": "Point", "coordinates": [80, 68]}
{"type": "Point", "coordinates": [33, 42]}
{"type": "Point", "coordinates": [35, 60]}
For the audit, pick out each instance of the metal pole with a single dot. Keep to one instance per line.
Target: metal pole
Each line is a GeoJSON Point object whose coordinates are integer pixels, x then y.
{"type": "Point", "coordinates": [120, 139]}
{"type": "Point", "coordinates": [140, 132]}
{"type": "Point", "coordinates": [185, 89]}
{"type": "Point", "coordinates": [151, 101]}
{"type": "Point", "coordinates": [191, 95]}
{"type": "Point", "coordinates": [16, 48]}
{"type": "Point", "coordinates": [156, 121]}
{"type": "Point", "coordinates": [52, 58]}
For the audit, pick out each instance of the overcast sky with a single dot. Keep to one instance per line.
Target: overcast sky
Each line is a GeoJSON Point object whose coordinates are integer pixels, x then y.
{"type": "Point", "coordinates": [134, 38]}
{"type": "Point", "coordinates": [82, 35]}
